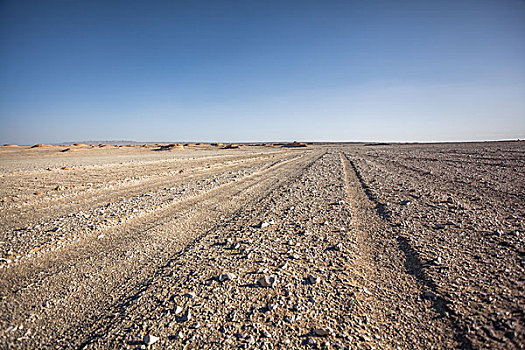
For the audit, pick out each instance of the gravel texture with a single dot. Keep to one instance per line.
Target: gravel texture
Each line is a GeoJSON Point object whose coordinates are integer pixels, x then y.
{"type": "Point", "coordinates": [324, 247]}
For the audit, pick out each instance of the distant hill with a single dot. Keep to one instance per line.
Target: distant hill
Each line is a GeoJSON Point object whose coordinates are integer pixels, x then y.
{"type": "Point", "coordinates": [105, 142]}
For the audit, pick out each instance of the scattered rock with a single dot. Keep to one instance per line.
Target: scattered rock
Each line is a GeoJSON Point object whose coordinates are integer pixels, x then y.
{"type": "Point", "coordinates": [366, 291]}
{"type": "Point", "coordinates": [150, 339]}
{"type": "Point", "coordinates": [177, 310]}
{"type": "Point", "coordinates": [266, 281]}
{"type": "Point", "coordinates": [187, 316]}
{"type": "Point", "coordinates": [310, 341]}
{"type": "Point", "coordinates": [338, 247]}
{"type": "Point", "coordinates": [363, 337]}
{"type": "Point", "coordinates": [323, 331]}
{"type": "Point", "coordinates": [232, 316]}
{"type": "Point", "coordinates": [266, 334]}
{"type": "Point", "coordinates": [428, 296]}
{"type": "Point", "coordinates": [313, 279]}
{"type": "Point", "coordinates": [271, 307]}
{"type": "Point", "coordinates": [227, 277]}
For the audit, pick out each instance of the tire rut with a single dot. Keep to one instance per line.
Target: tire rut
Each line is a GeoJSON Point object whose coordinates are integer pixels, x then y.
{"type": "Point", "coordinates": [377, 235]}
{"type": "Point", "coordinates": [157, 241]}
{"type": "Point", "coordinates": [125, 306]}
{"type": "Point", "coordinates": [124, 205]}
{"type": "Point", "coordinates": [107, 192]}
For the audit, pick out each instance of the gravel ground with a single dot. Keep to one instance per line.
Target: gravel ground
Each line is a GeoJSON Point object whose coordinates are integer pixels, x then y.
{"type": "Point", "coordinates": [324, 247]}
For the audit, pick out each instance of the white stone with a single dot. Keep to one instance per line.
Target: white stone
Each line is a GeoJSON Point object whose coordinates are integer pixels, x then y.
{"type": "Point", "coordinates": [150, 339]}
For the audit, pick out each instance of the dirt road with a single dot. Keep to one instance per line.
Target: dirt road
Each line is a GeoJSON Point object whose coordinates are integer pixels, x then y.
{"type": "Point", "coordinates": [329, 246]}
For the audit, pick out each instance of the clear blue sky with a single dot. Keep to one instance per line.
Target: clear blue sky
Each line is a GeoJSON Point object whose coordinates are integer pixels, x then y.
{"type": "Point", "coordinates": [261, 70]}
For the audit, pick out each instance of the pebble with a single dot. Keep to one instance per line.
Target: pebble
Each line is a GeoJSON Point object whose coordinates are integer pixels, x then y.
{"type": "Point", "coordinates": [232, 316]}
{"type": "Point", "coordinates": [150, 339]}
{"type": "Point", "coordinates": [323, 331]}
{"type": "Point", "coordinates": [186, 316]}
{"type": "Point", "coordinates": [177, 310]}
{"type": "Point", "coordinates": [271, 307]}
{"type": "Point", "coordinates": [190, 295]}
{"type": "Point", "coordinates": [264, 224]}
{"type": "Point", "coordinates": [240, 335]}
{"type": "Point", "coordinates": [365, 338]}
{"type": "Point", "coordinates": [310, 341]}
{"type": "Point", "coordinates": [227, 277]}
{"type": "Point", "coordinates": [266, 281]}
{"type": "Point", "coordinates": [428, 295]}
{"type": "Point", "coordinates": [313, 279]}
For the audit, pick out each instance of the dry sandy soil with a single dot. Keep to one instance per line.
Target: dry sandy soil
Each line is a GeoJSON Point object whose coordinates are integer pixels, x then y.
{"type": "Point", "coordinates": [323, 247]}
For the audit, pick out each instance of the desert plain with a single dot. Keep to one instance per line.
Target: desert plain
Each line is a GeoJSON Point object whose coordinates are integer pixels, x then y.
{"type": "Point", "coordinates": [329, 246]}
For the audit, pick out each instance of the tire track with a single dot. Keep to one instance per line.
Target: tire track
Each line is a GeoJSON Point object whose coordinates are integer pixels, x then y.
{"type": "Point", "coordinates": [413, 264]}
{"type": "Point", "coordinates": [162, 233]}
{"type": "Point", "coordinates": [90, 227]}
{"type": "Point", "coordinates": [268, 182]}
{"type": "Point", "coordinates": [107, 192]}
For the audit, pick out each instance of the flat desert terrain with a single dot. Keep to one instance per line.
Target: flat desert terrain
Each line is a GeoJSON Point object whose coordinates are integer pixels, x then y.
{"type": "Point", "coordinates": [337, 246]}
